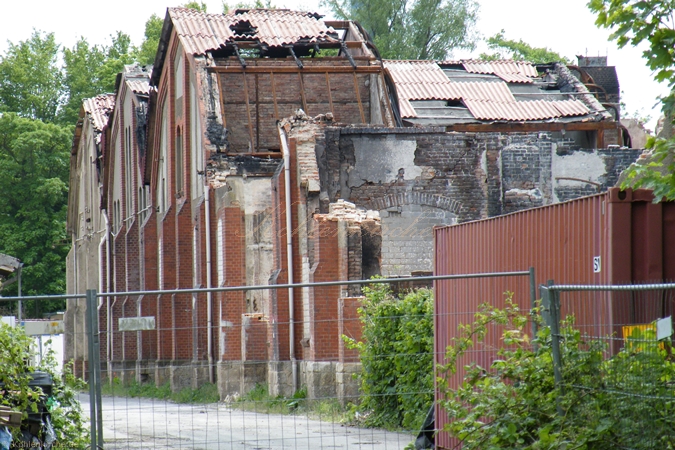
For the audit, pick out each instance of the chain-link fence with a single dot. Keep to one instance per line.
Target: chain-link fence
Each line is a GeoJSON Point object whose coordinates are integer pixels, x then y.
{"type": "Point", "coordinates": [226, 368]}
{"type": "Point", "coordinates": [612, 352]}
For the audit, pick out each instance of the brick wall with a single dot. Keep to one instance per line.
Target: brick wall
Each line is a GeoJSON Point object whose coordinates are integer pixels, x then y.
{"type": "Point", "coordinates": [330, 260]}
{"type": "Point", "coordinates": [349, 325]}
{"type": "Point", "coordinates": [254, 102]}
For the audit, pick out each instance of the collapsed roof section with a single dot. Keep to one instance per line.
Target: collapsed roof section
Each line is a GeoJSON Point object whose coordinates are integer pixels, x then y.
{"type": "Point", "coordinates": [478, 92]}
{"type": "Point", "coordinates": [96, 110]}
{"type": "Point", "coordinates": [269, 33]}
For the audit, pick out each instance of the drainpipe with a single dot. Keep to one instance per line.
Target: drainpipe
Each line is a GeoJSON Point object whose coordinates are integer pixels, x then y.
{"type": "Point", "coordinates": [107, 297]}
{"type": "Point", "coordinates": [209, 329]}
{"type": "Point", "coordinates": [289, 255]}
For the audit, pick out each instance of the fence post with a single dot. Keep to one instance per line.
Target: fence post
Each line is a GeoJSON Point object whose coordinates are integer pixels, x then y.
{"type": "Point", "coordinates": [96, 415]}
{"type": "Point", "coordinates": [533, 302]}
{"type": "Point", "coordinates": [551, 310]}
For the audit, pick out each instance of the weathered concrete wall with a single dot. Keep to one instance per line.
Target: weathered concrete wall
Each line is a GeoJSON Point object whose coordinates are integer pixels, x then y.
{"type": "Point", "coordinates": [419, 178]}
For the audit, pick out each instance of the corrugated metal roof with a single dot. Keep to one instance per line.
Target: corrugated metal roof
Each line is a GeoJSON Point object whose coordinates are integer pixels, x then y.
{"type": "Point", "coordinates": [139, 86]}
{"type": "Point", "coordinates": [486, 100]}
{"type": "Point", "coordinates": [98, 109]}
{"type": "Point", "coordinates": [514, 77]}
{"type": "Point", "coordinates": [201, 32]}
{"type": "Point", "coordinates": [571, 107]}
{"type": "Point", "coordinates": [420, 80]}
{"type": "Point", "coordinates": [524, 68]}
{"type": "Point", "coordinates": [525, 110]}
{"type": "Point", "coordinates": [407, 110]}
{"type": "Point", "coordinates": [497, 92]}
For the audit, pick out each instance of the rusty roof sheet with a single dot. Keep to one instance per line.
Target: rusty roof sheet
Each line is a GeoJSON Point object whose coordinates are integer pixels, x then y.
{"type": "Point", "coordinates": [571, 107]}
{"type": "Point", "coordinates": [407, 110]}
{"type": "Point", "coordinates": [201, 32]}
{"type": "Point", "coordinates": [421, 80]}
{"type": "Point", "coordinates": [500, 66]}
{"type": "Point", "coordinates": [525, 110]}
{"type": "Point", "coordinates": [98, 109]}
{"type": "Point", "coordinates": [508, 70]}
{"type": "Point", "coordinates": [486, 100]}
{"type": "Point", "coordinates": [493, 91]}
{"type": "Point", "coordinates": [139, 86]}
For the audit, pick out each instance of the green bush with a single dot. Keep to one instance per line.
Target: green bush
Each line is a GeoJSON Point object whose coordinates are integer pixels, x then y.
{"type": "Point", "coordinates": [396, 351]}
{"type": "Point", "coordinates": [626, 401]}
{"type": "Point", "coordinates": [16, 350]}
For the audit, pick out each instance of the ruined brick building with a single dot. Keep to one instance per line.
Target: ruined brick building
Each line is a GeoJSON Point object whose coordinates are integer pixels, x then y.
{"type": "Point", "coordinates": [195, 171]}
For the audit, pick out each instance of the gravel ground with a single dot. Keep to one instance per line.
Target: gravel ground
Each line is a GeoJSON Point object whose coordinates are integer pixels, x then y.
{"type": "Point", "coordinates": [134, 423]}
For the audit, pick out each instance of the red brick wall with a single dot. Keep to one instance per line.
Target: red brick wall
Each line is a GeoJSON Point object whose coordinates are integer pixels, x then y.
{"type": "Point", "coordinates": [323, 304]}
{"type": "Point", "coordinates": [349, 325]}
{"type": "Point", "coordinates": [183, 303]}
{"type": "Point", "coordinates": [233, 303]}
{"type": "Point", "coordinates": [149, 303]}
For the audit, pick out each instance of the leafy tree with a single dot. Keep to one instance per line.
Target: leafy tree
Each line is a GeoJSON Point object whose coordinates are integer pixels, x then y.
{"type": "Point", "coordinates": [651, 22]}
{"type": "Point", "coordinates": [259, 4]}
{"type": "Point", "coordinates": [31, 82]}
{"type": "Point", "coordinates": [120, 53]}
{"type": "Point", "coordinates": [413, 29]}
{"type": "Point", "coordinates": [153, 32]}
{"type": "Point", "coordinates": [396, 351]}
{"type": "Point", "coordinates": [199, 6]}
{"type": "Point", "coordinates": [626, 401]}
{"type": "Point", "coordinates": [520, 51]}
{"type": "Point", "coordinates": [34, 165]}
{"type": "Point", "coordinates": [81, 66]}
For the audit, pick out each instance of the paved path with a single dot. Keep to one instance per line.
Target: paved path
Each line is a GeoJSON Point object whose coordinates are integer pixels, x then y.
{"type": "Point", "coordinates": [134, 423]}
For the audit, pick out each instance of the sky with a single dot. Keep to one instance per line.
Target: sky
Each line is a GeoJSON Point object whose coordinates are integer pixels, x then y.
{"type": "Point", "coordinates": [565, 27]}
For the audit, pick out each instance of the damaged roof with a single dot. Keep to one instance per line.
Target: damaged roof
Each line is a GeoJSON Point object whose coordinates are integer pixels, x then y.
{"type": "Point", "coordinates": [98, 109]}
{"type": "Point", "coordinates": [202, 32]}
{"type": "Point", "coordinates": [471, 91]}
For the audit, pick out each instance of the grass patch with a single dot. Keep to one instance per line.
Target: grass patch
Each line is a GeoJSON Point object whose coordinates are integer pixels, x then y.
{"type": "Point", "coordinates": [206, 393]}
{"type": "Point", "coordinates": [259, 400]}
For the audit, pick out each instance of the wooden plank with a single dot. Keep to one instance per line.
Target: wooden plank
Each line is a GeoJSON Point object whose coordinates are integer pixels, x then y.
{"type": "Point", "coordinates": [274, 97]}
{"type": "Point", "coordinates": [248, 111]}
{"type": "Point", "coordinates": [9, 417]}
{"type": "Point", "coordinates": [222, 100]}
{"type": "Point", "coordinates": [330, 95]}
{"type": "Point", "coordinates": [296, 69]}
{"type": "Point", "coordinates": [302, 94]}
{"type": "Point", "coordinates": [390, 110]}
{"type": "Point", "coordinates": [358, 98]}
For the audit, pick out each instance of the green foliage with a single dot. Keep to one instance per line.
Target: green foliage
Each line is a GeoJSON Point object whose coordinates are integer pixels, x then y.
{"type": "Point", "coordinates": [81, 66]}
{"type": "Point", "coordinates": [626, 401]}
{"type": "Point", "coordinates": [66, 412]}
{"type": "Point", "coordinates": [396, 352]}
{"type": "Point", "coordinates": [153, 33]}
{"type": "Point", "coordinates": [206, 393]}
{"type": "Point", "coordinates": [34, 165]}
{"type": "Point", "coordinates": [520, 51]}
{"type": "Point", "coordinates": [656, 172]}
{"type": "Point", "coordinates": [15, 353]}
{"type": "Point", "coordinates": [198, 6]}
{"type": "Point", "coordinates": [413, 29]}
{"type": "Point", "coordinates": [120, 53]}
{"type": "Point", "coordinates": [258, 4]}
{"type": "Point", "coordinates": [258, 399]}
{"type": "Point", "coordinates": [634, 22]}
{"type": "Point", "coordinates": [649, 22]}
{"type": "Point", "coordinates": [31, 83]}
